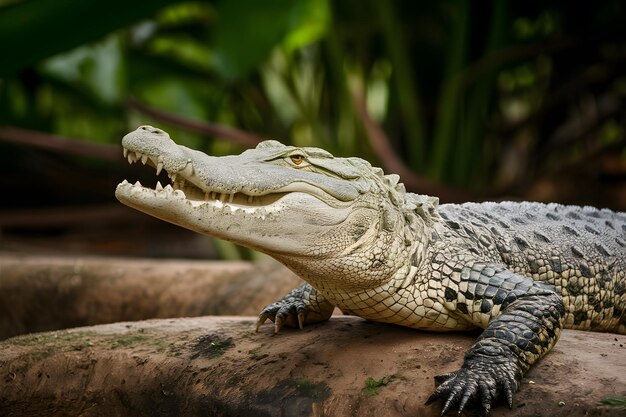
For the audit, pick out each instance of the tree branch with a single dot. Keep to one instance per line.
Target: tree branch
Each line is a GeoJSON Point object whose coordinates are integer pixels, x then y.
{"type": "Point", "coordinates": [60, 144]}
{"type": "Point", "coordinates": [393, 163]}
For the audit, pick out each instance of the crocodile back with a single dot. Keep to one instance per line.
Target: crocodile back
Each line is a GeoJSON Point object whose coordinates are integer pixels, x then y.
{"type": "Point", "coordinates": [579, 250]}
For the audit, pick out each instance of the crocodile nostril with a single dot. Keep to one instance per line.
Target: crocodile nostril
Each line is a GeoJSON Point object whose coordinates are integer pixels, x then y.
{"type": "Point", "coordinates": [153, 130]}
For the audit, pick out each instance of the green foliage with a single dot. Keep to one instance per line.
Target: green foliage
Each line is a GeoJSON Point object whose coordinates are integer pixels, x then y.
{"type": "Point", "coordinates": [405, 83]}
{"type": "Point", "coordinates": [475, 95]}
{"type": "Point", "coordinates": [247, 30]}
{"type": "Point", "coordinates": [36, 29]}
{"type": "Point", "coordinates": [614, 401]}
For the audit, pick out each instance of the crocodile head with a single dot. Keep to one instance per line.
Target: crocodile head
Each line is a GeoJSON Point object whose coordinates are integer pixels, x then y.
{"type": "Point", "coordinates": [296, 204]}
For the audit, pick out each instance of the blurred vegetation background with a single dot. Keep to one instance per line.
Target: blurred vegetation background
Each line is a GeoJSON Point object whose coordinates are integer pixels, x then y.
{"type": "Point", "coordinates": [467, 100]}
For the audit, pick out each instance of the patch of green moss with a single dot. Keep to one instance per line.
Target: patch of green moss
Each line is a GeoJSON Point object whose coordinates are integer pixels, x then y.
{"type": "Point", "coordinates": [211, 346]}
{"type": "Point", "coordinates": [305, 386]}
{"type": "Point", "coordinates": [50, 338]}
{"type": "Point", "coordinates": [41, 354]}
{"type": "Point", "coordinates": [255, 355]}
{"type": "Point", "coordinates": [160, 346]}
{"type": "Point", "coordinates": [127, 340]}
{"type": "Point", "coordinates": [46, 344]}
{"type": "Point", "coordinates": [372, 385]}
{"type": "Point", "coordinates": [82, 346]}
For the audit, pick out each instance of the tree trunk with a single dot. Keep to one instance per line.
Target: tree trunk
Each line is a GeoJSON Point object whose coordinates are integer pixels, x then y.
{"type": "Point", "coordinates": [48, 293]}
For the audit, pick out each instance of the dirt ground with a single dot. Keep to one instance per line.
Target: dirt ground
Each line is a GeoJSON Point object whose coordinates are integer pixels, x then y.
{"type": "Point", "coordinates": [219, 366]}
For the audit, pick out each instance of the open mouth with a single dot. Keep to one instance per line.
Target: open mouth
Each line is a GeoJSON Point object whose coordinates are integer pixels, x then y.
{"type": "Point", "coordinates": [184, 184]}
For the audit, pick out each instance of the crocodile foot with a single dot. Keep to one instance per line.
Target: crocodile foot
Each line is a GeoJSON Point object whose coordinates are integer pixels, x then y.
{"type": "Point", "coordinates": [477, 382]}
{"type": "Point", "coordinates": [289, 311]}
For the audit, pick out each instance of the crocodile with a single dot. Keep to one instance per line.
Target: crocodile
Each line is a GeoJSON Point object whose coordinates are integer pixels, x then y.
{"type": "Point", "coordinates": [521, 271]}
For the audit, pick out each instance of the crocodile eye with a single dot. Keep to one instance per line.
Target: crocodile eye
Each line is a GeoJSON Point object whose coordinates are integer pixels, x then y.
{"type": "Point", "coordinates": [297, 159]}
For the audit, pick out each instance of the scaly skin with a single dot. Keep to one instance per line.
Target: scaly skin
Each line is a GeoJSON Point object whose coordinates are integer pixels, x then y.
{"type": "Point", "coordinates": [520, 271]}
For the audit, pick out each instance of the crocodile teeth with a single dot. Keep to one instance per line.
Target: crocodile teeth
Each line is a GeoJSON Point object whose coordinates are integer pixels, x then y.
{"type": "Point", "coordinates": [179, 194]}
{"type": "Point", "coordinates": [159, 167]}
{"type": "Point", "coordinates": [158, 187]}
{"type": "Point", "coordinates": [137, 184]}
{"type": "Point", "coordinates": [144, 159]}
{"type": "Point", "coordinates": [125, 152]}
{"type": "Point", "coordinates": [173, 177]}
{"type": "Point", "coordinates": [230, 198]}
{"type": "Point", "coordinates": [188, 170]}
{"type": "Point", "coordinates": [168, 189]}
{"type": "Point", "coordinates": [125, 182]}
{"type": "Point", "coordinates": [133, 157]}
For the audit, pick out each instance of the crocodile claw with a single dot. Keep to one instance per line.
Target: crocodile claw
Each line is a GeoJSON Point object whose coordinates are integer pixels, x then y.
{"type": "Point", "coordinates": [290, 311]}
{"type": "Point", "coordinates": [477, 383]}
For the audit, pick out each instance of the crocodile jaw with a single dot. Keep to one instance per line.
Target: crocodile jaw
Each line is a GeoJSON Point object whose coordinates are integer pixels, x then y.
{"type": "Point", "coordinates": [272, 219]}
{"type": "Point", "coordinates": [268, 228]}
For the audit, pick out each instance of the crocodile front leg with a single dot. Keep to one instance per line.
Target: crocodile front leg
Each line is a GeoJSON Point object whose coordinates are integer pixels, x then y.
{"type": "Point", "coordinates": [523, 321]}
{"type": "Point", "coordinates": [303, 305]}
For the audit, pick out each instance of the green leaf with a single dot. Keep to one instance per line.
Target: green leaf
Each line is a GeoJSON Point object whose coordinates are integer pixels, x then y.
{"type": "Point", "coordinates": [614, 401]}
{"type": "Point", "coordinates": [98, 68]}
{"type": "Point", "coordinates": [36, 29]}
{"type": "Point", "coordinates": [247, 30]}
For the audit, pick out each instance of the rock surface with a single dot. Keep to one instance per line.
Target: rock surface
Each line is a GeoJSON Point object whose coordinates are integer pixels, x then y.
{"type": "Point", "coordinates": [39, 293]}
{"type": "Point", "coordinates": [219, 366]}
